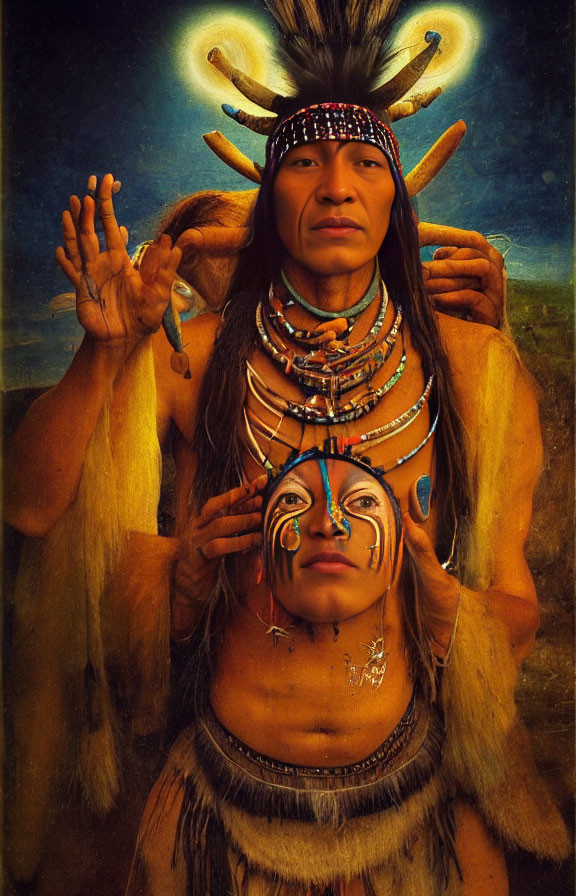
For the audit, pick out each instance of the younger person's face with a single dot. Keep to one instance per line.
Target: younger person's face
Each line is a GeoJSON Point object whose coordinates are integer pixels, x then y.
{"type": "Point", "coordinates": [329, 541]}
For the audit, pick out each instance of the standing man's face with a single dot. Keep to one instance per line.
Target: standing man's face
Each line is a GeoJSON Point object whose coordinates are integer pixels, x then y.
{"type": "Point", "coordinates": [332, 204]}
{"type": "Point", "coordinates": [329, 541]}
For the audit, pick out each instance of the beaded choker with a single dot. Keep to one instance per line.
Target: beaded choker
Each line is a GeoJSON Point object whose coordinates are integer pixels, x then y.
{"type": "Point", "coordinates": [326, 368]}
{"type": "Point", "coordinates": [320, 408]}
{"type": "Point", "coordinates": [333, 371]}
{"type": "Point", "coordinates": [348, 313]}
{"type": "Point", "coordinates": [332, 333]}
{"type": "Point", "coordinates": [325, 373]}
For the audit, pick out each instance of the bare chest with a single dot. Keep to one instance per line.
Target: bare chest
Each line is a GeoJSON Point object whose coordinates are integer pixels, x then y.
{"type": "Point", "coordinates": [303, 699]}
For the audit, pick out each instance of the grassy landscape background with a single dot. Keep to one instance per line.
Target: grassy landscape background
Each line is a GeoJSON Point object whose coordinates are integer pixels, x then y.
{"type": "Point", "coordinates": [542, 319]}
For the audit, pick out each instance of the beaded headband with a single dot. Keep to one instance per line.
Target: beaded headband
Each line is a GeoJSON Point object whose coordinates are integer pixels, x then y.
{"type": "Point", "coordinates": [333, 121]}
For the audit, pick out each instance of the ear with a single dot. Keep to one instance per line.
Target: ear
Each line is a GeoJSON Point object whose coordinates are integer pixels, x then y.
{"type": "Point", "coordinates": [419, 498]}
{"type": "Point", "coordinates": [259, 567]}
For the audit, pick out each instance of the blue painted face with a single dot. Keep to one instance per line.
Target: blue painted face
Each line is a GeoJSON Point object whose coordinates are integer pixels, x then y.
{"type": "Point", "coordinates": [329, 540]}
{"type": "Point", "coordinates": [335, 512]}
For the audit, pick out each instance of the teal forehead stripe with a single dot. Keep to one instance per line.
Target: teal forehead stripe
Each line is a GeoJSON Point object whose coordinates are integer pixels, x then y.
{"type": "Point", "coordinates": [336, 515]}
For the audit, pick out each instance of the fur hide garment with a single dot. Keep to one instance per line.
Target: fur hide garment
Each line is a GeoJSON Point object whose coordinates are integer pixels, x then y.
{"type": "Point", "coordinates": [83, 647]}
{"type": "Point", "coordinates": [62, 721]}
{"type": "Point", "coordinates": [223, 820]}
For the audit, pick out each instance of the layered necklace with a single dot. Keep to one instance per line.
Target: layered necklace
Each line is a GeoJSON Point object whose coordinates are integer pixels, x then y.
{"type": "Point", "coordinates": [326, 368]}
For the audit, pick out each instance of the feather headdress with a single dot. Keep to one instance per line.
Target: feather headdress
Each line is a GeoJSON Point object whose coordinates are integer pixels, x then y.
{"type": "Point", "coordinates": [335, 51]}
{"type": "Point", "coordinates": [331, 51]}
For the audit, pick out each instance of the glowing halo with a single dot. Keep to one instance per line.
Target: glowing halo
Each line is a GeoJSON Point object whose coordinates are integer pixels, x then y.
{"type": "Point", "coordinates": [244, 41]}
{"type": "Point", "coordinates": [460, 38]}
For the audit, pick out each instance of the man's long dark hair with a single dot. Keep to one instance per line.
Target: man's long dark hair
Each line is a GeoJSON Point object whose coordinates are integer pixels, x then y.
{"type": "Point", "coordinates": [218, 445]}
{"type": "Point", "coordinates": [223, 388]}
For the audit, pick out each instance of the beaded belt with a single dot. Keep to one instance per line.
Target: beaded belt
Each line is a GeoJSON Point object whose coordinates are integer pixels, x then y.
{"type": "Point", "coordinates": [402, 765]}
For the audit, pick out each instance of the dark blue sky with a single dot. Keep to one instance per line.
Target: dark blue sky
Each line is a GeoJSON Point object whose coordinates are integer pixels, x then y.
{"type": "Point", "coordinates": [93, 87]}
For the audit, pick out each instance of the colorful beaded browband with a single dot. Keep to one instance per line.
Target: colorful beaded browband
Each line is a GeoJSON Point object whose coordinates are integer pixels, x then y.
{"type": "Point", "coordinates": [333, 121]}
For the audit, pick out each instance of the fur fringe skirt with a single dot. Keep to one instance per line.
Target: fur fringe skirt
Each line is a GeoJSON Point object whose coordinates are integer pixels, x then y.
{"type": "Point", "coordinates": [225, 820]}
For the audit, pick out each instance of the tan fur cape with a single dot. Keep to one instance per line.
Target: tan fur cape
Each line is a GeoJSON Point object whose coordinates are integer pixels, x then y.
{"type": "Point", "coordinates": [62, 722]}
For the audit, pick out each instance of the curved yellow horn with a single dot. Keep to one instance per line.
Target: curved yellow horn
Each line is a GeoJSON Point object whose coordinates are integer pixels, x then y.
{"type": "Point", "coordinates": [260, 124]}
{"type": "Point", "coordinates": [252, 90]}
{"type": "Point", "coordinates": [217, 241]}
{"type": "Point", "coordinates": [231, 156]}
{"type": "Point", "coordinates": [393, 90]}
{"type": "Point", "coordinates": [435, 159]}
{"type": "Point", "coordinates": [405, 108]}
{"type": "Point", "coordinates": [441, 235]}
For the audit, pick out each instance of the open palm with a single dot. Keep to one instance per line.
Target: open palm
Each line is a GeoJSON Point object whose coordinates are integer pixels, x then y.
{"type": "Point", "coordinates": [115, 302]}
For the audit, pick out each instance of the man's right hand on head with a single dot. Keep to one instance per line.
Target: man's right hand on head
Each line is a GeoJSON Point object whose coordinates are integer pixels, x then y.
{"type": "Point", "coordinates": [227, 524]}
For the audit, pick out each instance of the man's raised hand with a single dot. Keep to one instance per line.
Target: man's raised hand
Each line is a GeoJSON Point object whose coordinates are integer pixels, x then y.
{"type": "Point", "coordinates": [116, 303]}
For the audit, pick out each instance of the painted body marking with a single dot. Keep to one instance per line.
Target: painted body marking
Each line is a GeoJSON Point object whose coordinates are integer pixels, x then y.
{"type": "Point", "coordinates": [283, 535]}
{"type": "Point", "coordinates": [374, 669]}
{"type": "Point", "coordinates": [335, 512]}
{"type": "Point", "coordinates": [284, 538]}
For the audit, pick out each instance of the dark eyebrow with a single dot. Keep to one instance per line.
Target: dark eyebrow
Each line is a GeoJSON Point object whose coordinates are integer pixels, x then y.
{"type": "Point", "coordinates": [293, 474]}
{"type": "Point", "coordinates": [292, 477]}
{"type": "Point", "coordinates": [356, 475]}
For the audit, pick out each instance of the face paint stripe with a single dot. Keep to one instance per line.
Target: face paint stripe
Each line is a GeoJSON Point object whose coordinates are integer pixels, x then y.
{"type": "Point", "coordinates": [290, 536]}
{"type": "Point", "coordinates": [334, 511]}
{"type": "Point", "coordinates": [278, 555]}
{"type": "Point", "coordinates": [378, 545]}
{"type": "Point", "coordinates": [334, 497]}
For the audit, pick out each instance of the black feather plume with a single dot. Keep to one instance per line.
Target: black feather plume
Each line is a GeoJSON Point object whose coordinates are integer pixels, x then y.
{"type": "Point", "coordinates": [334, 50]}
